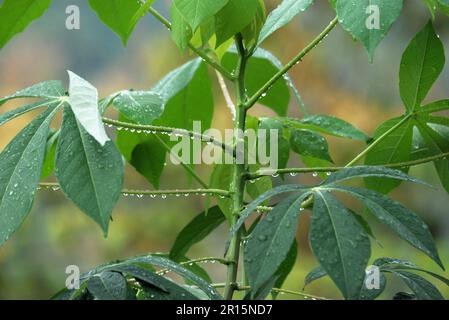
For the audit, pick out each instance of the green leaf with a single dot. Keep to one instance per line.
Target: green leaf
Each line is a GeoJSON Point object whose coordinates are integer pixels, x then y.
{"type": "Point", "coordinates": [281, 16]}
{"type": "Point", "coordinates": [393, 148]}
{"type": "Point", "coordinates": [389, 263]}
{"type": "Point", "coordinates": [233, 18]}
{"type": "Point", "coordinates": [10, 115]}
{"type": "Point", "coordinates": [423, 289]}
{"type": "Point", "coordinates": [271, 240]}
{"type": "Point", "coordinates": [195, 12]}
{"type": "Point", "coordinates": [181, 32]}
{"type": "Point", "coordinates": [21, 163]}
{"type": "Point", "coordinates": [285, 268]}
{"type": "Point", "coordinates": [435, 106]}
{"type": "Point", "coordinates": [401, 220]}
{"type": "Point", "coordinates": [422, 63]}
{"type": "Point", "coordinates": [108, 286]}
{"type": "Point", "coordinates": [356, 15]}
{"type": "Point", "coordinates": [50, 154]}
{"type": "Point", "coordinates": [315, 274]}
{"type": "Point", "coordinates": [187, 92]}
{"type": "Point", "coordinates": [328, 125]}
{"type": "Point", "coordinates": [198, 229]}
{"type": "Point", "coordinates": [83, 99]}
{"type": "Point", "coordinates": [142, 107]}
{"type": "Point", "coordinates": [309, 143]}
{"type": "Point", "coordinates": [16, 15]}
{"type": "Point", "coordinates": [121, 16]}
{"type": "Point", "coordinates": [436, 139]}
{"type": "Point", "coordinates": [339, 243]}
{"type": "Point", "coordinates": [160, 287]}
{"type": "Point", "coordinates": [180, 270]}
{"type": "Point", "coordinates": [260, 69]}
{"type": "Point", "coordinates": [51, 90]}
{"type": "Point", "coordinates": [89, 174]}
{"type": "Point", "coordinates": [433, 6]}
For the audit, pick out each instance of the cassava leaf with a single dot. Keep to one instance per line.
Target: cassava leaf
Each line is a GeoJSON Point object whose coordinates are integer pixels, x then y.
{"type": "Point", "coordinates": [339, 243]}
{"type": "Point", "coordinates": [21, 166]}
{"type": "Point", "coordinates": [89, 174]}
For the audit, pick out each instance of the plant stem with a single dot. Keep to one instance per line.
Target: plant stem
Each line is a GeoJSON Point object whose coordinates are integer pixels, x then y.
{"type": "Point", "coordinates": [253, 100]}
{"type": "Point", "coordinates": [260, 173]}
{"type": "Point", "coordinates": [378, 140]}
{"type": "Point", "coordinates": [133, 192]}
{"type": "Point", "coordinates": [151, 129]}
{"type": "Point", "coordinates": [199, 52]}
{"type": "Point", "coordinates": [240, 287]}
{"type": "Point", "coordinates": [238, 182]}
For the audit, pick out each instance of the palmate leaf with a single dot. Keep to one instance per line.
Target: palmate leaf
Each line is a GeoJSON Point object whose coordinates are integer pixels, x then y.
{"type": "Point", "coordinates": [199, 228]}
{"type": "Point", "coordinates": [401, 220]}
{"type": "Point", "coordinates": [121, 16]}
{"type": "Point", "coordinates": [21, 165]}
{"type": "Point", "coordinates": [353, 16]}
{"type": "Point", "coordinates": [339, 243]}
{"type": "Point", "coordinates": [155, 286]}
{"type": "Point", "coordinates": [15, 16]}
{"type": "Point", "coordinates": [282, 15]}
{"type": "Point", "coordinates": [422, 288]}
{"type": "Point", "coordinates": [170, 265]}
{"type": "Point", "coordinates": [89, 174]}
{"type": "Point", "coordinates": [270, 242]}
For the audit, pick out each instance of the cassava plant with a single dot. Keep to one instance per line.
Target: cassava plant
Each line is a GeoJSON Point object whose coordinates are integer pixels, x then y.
{"type": "Point", "coordinates": [227, 36]}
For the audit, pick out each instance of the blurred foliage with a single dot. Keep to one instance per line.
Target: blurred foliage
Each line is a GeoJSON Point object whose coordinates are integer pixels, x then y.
{"type": "Point", "coordinates": [335, 79]}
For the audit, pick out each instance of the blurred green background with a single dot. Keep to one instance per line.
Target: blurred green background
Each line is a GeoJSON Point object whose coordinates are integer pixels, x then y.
{"type": "Point", "coordinates": [335, 78]}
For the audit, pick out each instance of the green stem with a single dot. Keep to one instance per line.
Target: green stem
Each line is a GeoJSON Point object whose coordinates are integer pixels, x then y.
{"type": "Point", "coordinates": [405, 164]}
{"type": "Point", "coordinates": [378, 140]}
{"type": "Point", "coordinates": [238, 181]}
{"type": "Point", "coordinates": [240, 287]}
{"type": "Point", "coordinates": [151, 129]}
{"type": "Point", "coordinates": [199, 52]}
{"type": "Point", "coordinates": [253, 100]}
{"type": "Point", "coordinates": [133, 192]}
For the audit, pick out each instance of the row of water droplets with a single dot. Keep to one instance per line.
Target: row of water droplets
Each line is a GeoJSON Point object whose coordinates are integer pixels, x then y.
{"type": "Point", "coordinates": [140, 194]}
